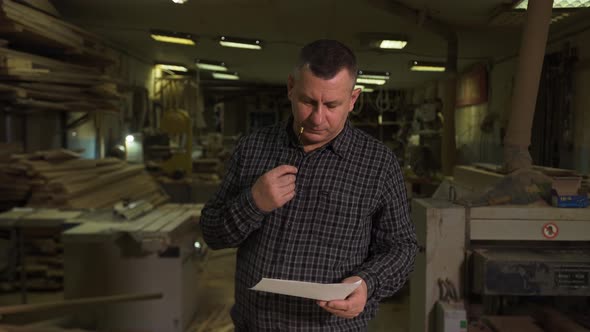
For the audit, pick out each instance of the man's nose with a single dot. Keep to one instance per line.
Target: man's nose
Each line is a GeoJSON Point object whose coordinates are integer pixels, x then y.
{"type": "Point", "coordinates": [317, 116]}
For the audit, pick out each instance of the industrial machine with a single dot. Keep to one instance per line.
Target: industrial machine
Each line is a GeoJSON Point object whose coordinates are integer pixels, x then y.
{"type": "Point", "coordinates": [177, 125]}
{"type": "Point", "coordinates": [170, 147]}
{"type": "Point", "coordinates": [496, 256]}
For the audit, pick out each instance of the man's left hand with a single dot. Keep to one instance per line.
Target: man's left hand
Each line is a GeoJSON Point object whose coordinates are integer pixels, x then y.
{"type": "Point", "coordinates": [353, 305]}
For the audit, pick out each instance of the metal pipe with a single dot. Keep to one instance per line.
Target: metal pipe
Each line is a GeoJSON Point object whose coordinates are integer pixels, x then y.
{"type": "Point", "coordinates": [449, 148]}
{"type": "Point", "coordinates": [528, 75]}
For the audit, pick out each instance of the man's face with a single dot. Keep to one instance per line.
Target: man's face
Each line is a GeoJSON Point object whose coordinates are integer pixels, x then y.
{"type": "Point", "coordinates": [320, 106]}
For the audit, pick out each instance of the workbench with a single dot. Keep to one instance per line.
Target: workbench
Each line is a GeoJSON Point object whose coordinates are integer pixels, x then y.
{"type": "Point", "coordinates": [105, 254]}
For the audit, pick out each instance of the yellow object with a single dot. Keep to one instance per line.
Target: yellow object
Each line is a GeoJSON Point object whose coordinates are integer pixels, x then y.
{"type": "Point", "coordinates": [177, 124]}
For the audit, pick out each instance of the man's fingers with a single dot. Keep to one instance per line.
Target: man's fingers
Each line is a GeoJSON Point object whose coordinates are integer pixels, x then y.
{"type": "Point", "coordinates": [282, 170]}
{"type": "Point", "coordinates": [290, 188]}
{"type": "Point", "coordinates": [339, 313]}
{"type": "Point", "coordinates": [349, 308]}
{"type": "Point", "coordinates": [288, 196]}
{"type": "Point", "coordinates": [342, 305]}
{"type": "Point", "coordinates": [286, 180]}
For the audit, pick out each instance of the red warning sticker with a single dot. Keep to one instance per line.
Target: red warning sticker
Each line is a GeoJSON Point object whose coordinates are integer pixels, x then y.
{"type": "Point", "coordinates": [550, 230]}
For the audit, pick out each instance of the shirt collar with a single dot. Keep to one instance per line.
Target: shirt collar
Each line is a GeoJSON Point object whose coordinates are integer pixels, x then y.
{"type": "Point", "coordinates": [340, 144]}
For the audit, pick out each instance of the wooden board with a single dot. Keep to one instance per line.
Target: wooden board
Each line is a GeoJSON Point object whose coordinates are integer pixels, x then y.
{"type": "Point", "coordinates": [474, 178]}
{"type": "Point", "coordinates": [47, 218]}
{"type": "Point", "coordinates": [441, 231]}
{"type": "Point", "coordinates": [91, 231]}
{"type": "Point", "coordinates": [146, 220]}
{"type": "Point", "coordinates": [527, 212]}
{"type": "Point", "coordinates": [528, 229]}
{"type": "Point", "coordinates": [171, 216]}
{"type": "Point", "coordinates": [9, 219]}
{"type": "Point", "coordinates": [44, 6]}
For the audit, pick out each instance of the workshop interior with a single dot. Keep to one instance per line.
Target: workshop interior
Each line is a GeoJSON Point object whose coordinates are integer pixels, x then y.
{"type": "Point", "coordinates": [118, 119]}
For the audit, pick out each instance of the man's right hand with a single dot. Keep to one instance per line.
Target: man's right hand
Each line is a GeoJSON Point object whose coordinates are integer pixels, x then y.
{"type": "Point", "coordinates": [274, 188]}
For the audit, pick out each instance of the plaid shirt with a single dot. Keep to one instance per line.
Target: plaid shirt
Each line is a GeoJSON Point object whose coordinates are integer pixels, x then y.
{"type": "Point", "coordinates": [349, 217]}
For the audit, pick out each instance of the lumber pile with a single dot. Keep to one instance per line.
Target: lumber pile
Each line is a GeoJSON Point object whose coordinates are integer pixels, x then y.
{"type": "Point", "coordinates": [47, 64]}
{"type": "Point", "coordinates": [13, 187]}
{"type": "Point", "coordinates": [30, 82]}
{"type": "Point", "coordinates": [43, 266]}
{"type": "Point", "coordinates": [27, 24]}
{"type": "Point", "coordinates": [61, 179]}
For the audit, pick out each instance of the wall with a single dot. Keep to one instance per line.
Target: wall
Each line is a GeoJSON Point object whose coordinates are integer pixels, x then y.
{"type": "Point", "coordinates": [103, 131]}
{"type": "Point", "coordinates": [41, 130]}
{"type": "Point", "coordinates": [476, 147]}
{"type": "Point", "coordinates": [473, 144]}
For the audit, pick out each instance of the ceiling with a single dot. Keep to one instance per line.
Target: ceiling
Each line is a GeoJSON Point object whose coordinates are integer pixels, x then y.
{"type": "Point", "coordinates": [284, 26]}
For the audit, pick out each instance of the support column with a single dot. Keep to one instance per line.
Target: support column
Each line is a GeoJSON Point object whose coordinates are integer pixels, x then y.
{"type": "Point", "coordinates": [449, 97]}
{"type": "Point", "coordinates": [526, 87]}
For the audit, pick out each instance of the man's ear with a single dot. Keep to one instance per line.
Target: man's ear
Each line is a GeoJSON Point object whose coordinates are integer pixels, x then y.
{"type": "Point", "coordinates": [290, 86]}
{"type": "Point", "coordinates": [355, 94]}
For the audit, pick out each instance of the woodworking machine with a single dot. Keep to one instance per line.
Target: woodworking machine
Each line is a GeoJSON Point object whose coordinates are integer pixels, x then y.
{"type": "Point", "coordinates": [495, 252]}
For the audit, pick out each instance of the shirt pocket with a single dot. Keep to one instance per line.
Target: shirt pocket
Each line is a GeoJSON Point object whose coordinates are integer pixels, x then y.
{"type": "Point", "coordinates": [339, 221]}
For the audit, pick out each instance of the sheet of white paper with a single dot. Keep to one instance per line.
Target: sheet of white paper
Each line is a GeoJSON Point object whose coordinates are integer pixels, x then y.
{"type": "Point", "coordinates": [310, 290]}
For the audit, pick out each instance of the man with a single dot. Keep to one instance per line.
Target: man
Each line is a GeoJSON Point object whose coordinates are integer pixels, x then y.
{"type": "Point", "coordinates": [313, 200]}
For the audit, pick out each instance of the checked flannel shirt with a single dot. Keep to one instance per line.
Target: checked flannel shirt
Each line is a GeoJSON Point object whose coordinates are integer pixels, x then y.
{"type": "Point", "coordinates": [349, 217]}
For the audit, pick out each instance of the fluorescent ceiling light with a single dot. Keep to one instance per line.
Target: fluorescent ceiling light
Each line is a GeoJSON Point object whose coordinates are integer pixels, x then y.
{"type": "Point", "coordinates": [226, 76]}
{"type": "Point", "coordinates": [427, 66]}
{"type": "Point", "coordinates": [559, 4]}
{"type": "Point", "coordinates": [363, 88]}
{"type": "Point", "coordinates": [373, 75]}
{"type": "Point", "coordinates": [173, 37]}
{"type": "Point", "coordinates": [559, 17]}
{"type": "Point", "coordinates": [164, 66]}
{"type": "Point", "coordinates": [370, 81]}
{"type": "Point", "coordinates": [391, 44]}
{"type": "Point", "coordinates": [211, 65]}
{"type": "Point", "coordinates": [250, 44]}
{"type": "Point", "coordinates": [179, 1]}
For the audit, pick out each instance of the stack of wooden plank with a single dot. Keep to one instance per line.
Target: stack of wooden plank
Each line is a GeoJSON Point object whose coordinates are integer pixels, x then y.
{"type": "Point", "coordinates": [48, 64]}
{"type": "Point", "coordinates": [27, 24]}
{"type": "Point", "coordinates": [14, 185]}
{"type": "Point", "coordinates": [43, 265]}
{"type": "Point", "coordinates": [35, 82]}
{"type": "Point", "coordinates": [35, 253]}
{"type": "Point", "coordinates": [60, 178]}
